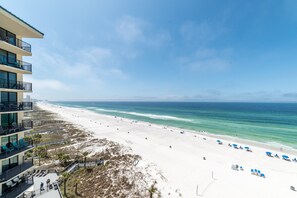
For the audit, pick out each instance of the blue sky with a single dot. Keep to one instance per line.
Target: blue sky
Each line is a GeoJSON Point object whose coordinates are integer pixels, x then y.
{"type": "Point", "coordinates": [186, 50]}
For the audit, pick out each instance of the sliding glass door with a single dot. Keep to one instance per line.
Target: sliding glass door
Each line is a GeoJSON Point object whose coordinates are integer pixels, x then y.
{"type": "Point", "coordinates": [8, 120]}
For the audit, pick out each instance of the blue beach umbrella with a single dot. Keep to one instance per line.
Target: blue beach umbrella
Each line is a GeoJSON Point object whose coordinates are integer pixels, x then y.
{"type": "Point", "coordinates": [268, 153]}
{"type": "Point", "coordinates": [247, 148]}
{"type": "Point", "coordinates": [234, 145]}
{"type": "Point", "coordinates": [285, 157]}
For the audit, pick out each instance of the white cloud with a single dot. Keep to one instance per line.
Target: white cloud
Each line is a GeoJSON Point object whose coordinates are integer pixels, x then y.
{"type": "Point", "coordinates": [93, 62]}
{"type": "Point", "coordinates": [48, 84]}
{"type": "Point", "coordinates": [131, 30]}
{"type": "Point", "coordinates": [201, 32]}
{"type": "Point", "coordinates": [207, 60]}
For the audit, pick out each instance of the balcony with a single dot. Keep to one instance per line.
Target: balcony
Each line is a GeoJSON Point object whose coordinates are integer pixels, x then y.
{"type": "Point", "coordinates": [15, 148]}
{"type": "Point", "coordinates": [17, 42]}
{"type": "Point", "coordinates": [11, 129]}
{"type": "Point", "coordinates": [18, 187]}
{"type": "Point", "coordinates": [15, 106]}
{"type": "Point", "coordinates": [18, 64]}
{"type": "Point", "coordinates": [16, 170]}
{"type": "Point", "coordinates": [15, 85]}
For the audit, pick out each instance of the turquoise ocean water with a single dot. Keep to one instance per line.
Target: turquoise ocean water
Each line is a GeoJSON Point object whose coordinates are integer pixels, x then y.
{"type": "Point", "coordinates": [274, 123]}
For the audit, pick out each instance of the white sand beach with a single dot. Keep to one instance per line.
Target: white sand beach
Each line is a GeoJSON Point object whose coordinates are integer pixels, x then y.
{"type": "Point", "coordinates": [179, 158]}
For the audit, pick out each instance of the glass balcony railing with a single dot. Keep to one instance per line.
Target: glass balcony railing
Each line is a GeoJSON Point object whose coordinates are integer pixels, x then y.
{"type": "Point", "coordinates": [13, 148]}
{"type": "Point", "coordinates": [18, 189]}
{"type": "Point", "coordinates": [15, 106]}
{"type": "Point", "coordinates": [18, 85]}
{"type": "Point", "coordinates": [14, 128]}
{"type": "Point", "coordinates": [10, 173]}
{"type": "Point", "coordinates": [17, 42]}
{"type": "Point", "coordinates": [4, 60]}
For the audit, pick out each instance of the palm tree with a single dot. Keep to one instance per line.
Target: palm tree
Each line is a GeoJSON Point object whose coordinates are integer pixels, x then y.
{"type": "Point", "coordinates": [152, 190]}
{"type": "Point", "coordinates": [41, 152]}
{"type": "Point", "coordinates": [63, 158]}
{"type": "Point", "coordinates": [76, 184]}
{"type": "Point", "coordinates": [65, 177]}
{"type": "Point", "coordinates": [36, 138]}
{"type": "Point", "coordinates": [85, 154]}
{"type": "Point", "coordinates": [60, 156]}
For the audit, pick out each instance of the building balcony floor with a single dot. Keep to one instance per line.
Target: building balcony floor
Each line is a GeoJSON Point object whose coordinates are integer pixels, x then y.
{"type": "Point", "coordinates": [18, 189]}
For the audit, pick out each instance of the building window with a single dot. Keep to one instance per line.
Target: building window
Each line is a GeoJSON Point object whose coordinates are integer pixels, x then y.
{"type": "Point", "coordinates": [2, 34]}
{"type": "Point", "coordinates": [6, 141]}
{"type": "Point", "coordinates": [8, 97]}
{"type": "Point", "coordinates": [7, 36]}
{"type": "Point", "coordinates": [8, 120]}
{"type": "Point", "coordinates": [10, 163]}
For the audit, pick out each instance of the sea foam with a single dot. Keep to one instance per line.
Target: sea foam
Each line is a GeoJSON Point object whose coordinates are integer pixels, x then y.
{"type": "Point", "coordinates": [148, 115]}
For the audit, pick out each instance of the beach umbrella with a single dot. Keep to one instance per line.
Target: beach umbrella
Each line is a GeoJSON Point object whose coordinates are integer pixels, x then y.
{"type": "Point", "coordinates": [234, 145]}
{"type": "Point", "coordinates": [218, 141]}
{"type": "Point", "coordinates": [268, 153]}
{"type": "Point", "coordinates": [285, 157]}
{"type": "Point", "coordinates": [247, 148]}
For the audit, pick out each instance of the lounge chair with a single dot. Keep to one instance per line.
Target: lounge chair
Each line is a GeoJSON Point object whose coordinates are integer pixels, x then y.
{"type": "Point", "coordinates": [5, 148]}
{"type": "Point", "coordinates": [276, 155]}
{"type": "Point", "coordinates": [23, 143]}
{"type": "Point", "coordinates": [41, 173]}
{"type": "Point", "coordinates": [36, 172]}
{"type": "Point", "coordinates": [256, 171]}
{"type": "Point", "coordinates": [16, 145]}
{"type": "Point", "coordinates": [45, 173]}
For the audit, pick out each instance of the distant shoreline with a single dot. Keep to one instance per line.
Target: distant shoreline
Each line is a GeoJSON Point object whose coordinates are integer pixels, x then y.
{"type": "Point", "coordinates": [156, 119]}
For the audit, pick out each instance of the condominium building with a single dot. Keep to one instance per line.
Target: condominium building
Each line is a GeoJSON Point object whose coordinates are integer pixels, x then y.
{"type": "Point", "coordinates": [14, 165]}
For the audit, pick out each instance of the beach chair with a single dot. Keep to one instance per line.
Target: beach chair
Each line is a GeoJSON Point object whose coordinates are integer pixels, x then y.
{"type": "Point", "coordinates": [256, 171]}
{"type": "Point", "coordinates": [5, 148]}
{"type": "Point", "coordinates": [276, 155]}
{"type": "Point", "coordinates": [36, 172]}
{"type": "Point", "coordinates": [23, 143]}
{"type": "Point", "coordinates": [45, 173]}
{"type": "Point", "coordinates": [16, 145]}
{"type": "Point", "coordinates": [41, 173]}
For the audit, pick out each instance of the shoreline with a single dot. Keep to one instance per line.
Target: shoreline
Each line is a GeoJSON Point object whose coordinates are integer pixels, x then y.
{"type": "Point", "coordinates": [280, 146]}
{"type": "Point", "coordinates": [272, 146]}
{"type": "Point", "coordinates": [189, 159]}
